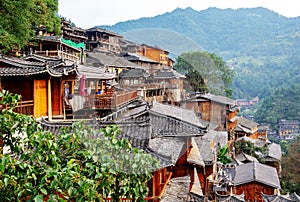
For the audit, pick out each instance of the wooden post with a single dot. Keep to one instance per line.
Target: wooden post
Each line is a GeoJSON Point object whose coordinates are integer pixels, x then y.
{"type": "Point", "coordinates": [49, 100]}
{"type": "Point", "coordinates": [96, 87]}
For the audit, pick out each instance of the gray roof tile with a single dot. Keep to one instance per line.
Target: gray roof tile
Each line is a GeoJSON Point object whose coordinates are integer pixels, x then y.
{"type": "Point", "coordinates": [108, 59]}
{"type": "Point", "coordinates": [12, 66]}
{"type": "Point", "coordinates": [247, 123]}
{"type": "Point", "coordinates": [274, 151]}
{"type": "Point", "coordinates": [177, 190]}
{"type": "Point", "coordinates": [169, 147]}
{"type": "Point", "coordinates": [207, 143]}
{"type": "Point", "coordinates": [256, 172]}
{"type": "Point", "coordinates": [218, 98]}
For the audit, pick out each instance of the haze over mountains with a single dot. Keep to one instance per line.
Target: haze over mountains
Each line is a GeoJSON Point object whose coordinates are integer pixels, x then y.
{"type": "Point", "coordinates": [262, 46]}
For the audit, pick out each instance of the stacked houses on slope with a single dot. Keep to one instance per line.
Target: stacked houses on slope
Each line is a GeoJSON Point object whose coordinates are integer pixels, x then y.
{"type": "Point", "coordinates": [98, 75]}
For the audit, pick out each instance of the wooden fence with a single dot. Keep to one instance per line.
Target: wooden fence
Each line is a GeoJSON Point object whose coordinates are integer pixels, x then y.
{"type": "Point", "coordinates": [114, 100]}
{"type": "Point", "coordinates": [23, 107]}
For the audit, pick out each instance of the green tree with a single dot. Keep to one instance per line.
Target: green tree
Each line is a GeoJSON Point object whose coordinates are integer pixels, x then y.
{"type": "Point", "coordinates": [18, 19]}
{"type": "Point", "coordinates": [249, 148]}
{"type": "Point", "coordinates": [206, 72]}
{"type": "Point", "coordinates": [290, 168]}
{"type": "Point", "coordinates": [222, 155]}
{"type": "Point", "coordinates": [282, 104]}
{"type": "Point", "coordinates": [81, 163]}
{"type": "Point", "coordinates": [12, 123]}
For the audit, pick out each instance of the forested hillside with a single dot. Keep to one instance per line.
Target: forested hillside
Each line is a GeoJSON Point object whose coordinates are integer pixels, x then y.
{"type": "Point", "coordinates": [262, 46]}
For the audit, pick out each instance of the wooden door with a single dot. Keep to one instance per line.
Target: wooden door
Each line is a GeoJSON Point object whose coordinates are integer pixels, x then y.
{"type": "Point", "coordinates": [56, 97]}
{"type": "Point", "coordinates": [40, 98]}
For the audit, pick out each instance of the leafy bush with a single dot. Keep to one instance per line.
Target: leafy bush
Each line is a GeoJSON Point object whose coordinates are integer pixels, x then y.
{"type": "Point", "coordinates": [81, 163]}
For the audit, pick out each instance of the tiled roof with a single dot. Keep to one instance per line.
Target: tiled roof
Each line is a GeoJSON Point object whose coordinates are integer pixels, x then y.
{"type": "Point", "coordinates": [196, 187]}
{"type": "Point", "coordinates": [177, 189]}
{"type": "Point", "coordinates": [19, 67]}
{"type": "Point", "coordinates": [256, 172]}
{"type": "Point", "coordinates": [39, 58]}
{"type": "Point", "coordinates": [109, 60]}
{"type": "Point", "coordinates": [163, 74]}
{"type": "Point", "coordinates": [154, 47]}
{"type": "Point", "coordinates": [256, 142]}
{"type": "Point", "coordinates": [218, 98]}
{"type": "Point", "coordinates": [195, 157]}
{"type": "Point", "coordinates": [230, 198]}
{"type": "Point", "coordinates": [138, 57]}
{"type": "Point", "coordinates": [207, 143]}
{"type": "Point", "coordinates": [182, 114]}
{"type": "Point", "coordinates": [48, 38]}
{"type": "Point", "coordinates": [163, 160]}
{"type": "Point", "coordinates": [95, 72]}
{"type": "Point", "coordinates": [171, 148]}
{"type": "Point", "coordinates": [167, 120]}
{"type": "Point", "coordinates": [247, 123]}
{"type": "Point", "coordinates": [274, 151]}
{"type": "Point", "coordinates": [242, 157]}
{"type": "Point", "coordinates": [133, 73]}
{"type": "Point", "coordinates": [98, 29]}
{"type": "Point", "coordinates": [281, 198]}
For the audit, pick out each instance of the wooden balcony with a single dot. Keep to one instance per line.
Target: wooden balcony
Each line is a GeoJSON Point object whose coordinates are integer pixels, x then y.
{"type": "Point", "coordinates": [114, 100]}
{"type": "Point", "coordinates": [60, 54]}
{"type": "Point", "coordinates": [23, 107]}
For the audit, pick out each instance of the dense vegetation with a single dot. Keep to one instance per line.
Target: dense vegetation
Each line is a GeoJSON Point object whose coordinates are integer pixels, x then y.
{"type": "Point", "coordinates": [262, 46]}
{"type": "Point", "coordinates": [81, 163]}
{"type": "Point", "coordinates": [19, 18]}
{"type": "Point", "coordinates": [205, 72]}
{"type": "Point", "coordinates": [283, 104]}
{"type": "Point", "coordinates": [291, 169]}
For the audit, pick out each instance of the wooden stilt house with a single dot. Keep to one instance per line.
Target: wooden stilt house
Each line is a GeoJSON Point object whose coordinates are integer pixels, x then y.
{"type": "Point", "coordinates": [39, 81]}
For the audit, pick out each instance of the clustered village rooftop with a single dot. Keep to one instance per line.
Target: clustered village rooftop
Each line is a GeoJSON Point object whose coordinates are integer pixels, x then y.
{"type": "Point", "coordinates": [97, 75]}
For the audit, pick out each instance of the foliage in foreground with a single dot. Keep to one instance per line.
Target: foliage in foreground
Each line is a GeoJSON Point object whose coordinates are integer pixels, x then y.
{"type": "Point", "coordinates": [81, 164]}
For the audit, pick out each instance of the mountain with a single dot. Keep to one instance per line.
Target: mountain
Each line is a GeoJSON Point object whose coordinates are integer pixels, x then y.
{"type": "Point", "coordinates": [262, 46]}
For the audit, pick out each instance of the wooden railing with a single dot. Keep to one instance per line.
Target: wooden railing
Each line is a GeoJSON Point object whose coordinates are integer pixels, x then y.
{"type": "Point", "coordinates": [115, 100]}
{"type": "Point", "coordinates": [61, 54]}
{"type": "Point", "coordinates": [23, 107]}
{"type": "Point", "coordinates": [126, 200]}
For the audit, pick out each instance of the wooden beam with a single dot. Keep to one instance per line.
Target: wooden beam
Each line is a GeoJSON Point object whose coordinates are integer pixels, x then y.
{"type": "Point", "coordinates": [49, 100]}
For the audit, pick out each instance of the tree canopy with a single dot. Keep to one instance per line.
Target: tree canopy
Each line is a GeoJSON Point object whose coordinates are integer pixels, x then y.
{"type": "Point", "coordinates": [19, 19]}
{"type": "Point", "coordinates": [290, 168]}
{"type": "Point", "coordinates": [282, 104]}
{"type": "Point", "coordinates": [206, 72]}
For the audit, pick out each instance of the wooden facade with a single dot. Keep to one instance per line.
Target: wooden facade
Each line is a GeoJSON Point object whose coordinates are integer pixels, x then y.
{"type": "Point", "coordinates": [219, 110]}
{"type": "Point", "coordinates": [155, 53]}
{"type": "Point", "coordinates": [287, 127]}
{"type": "Point", "coordinates": [71, 32]}
{"type": "Point", "coordinates": [41, 87]}
{"type": "Point", "coordinates": [102, 39]}
{"type": "Point", "coordinates": [253, 191]}
{"type": "Point", "coordinates": [246, 127]}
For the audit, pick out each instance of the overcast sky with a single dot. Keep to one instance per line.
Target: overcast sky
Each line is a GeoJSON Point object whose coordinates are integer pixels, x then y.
{"type": "Point", "coordinates": [89, 13]}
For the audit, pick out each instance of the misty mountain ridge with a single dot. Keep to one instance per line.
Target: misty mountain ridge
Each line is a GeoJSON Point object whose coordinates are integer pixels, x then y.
{"type": "Point", "coordinates": [260, 44]}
